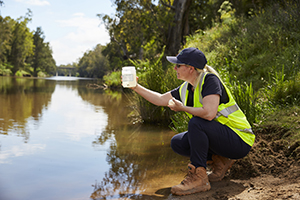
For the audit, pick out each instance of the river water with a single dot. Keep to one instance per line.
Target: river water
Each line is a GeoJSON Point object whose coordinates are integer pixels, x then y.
{"type": "Point", "coordinates": [60, 139]}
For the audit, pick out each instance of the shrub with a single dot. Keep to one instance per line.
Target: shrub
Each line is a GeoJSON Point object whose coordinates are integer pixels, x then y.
{"type": "Point", "coordinates": [154, 77]}
{"type": "Point", "coordinates": [113, 80]}
{"type": "Point", "coordinates": [5, 69]}
{"type": "Point", "coordinates": [283, 92]}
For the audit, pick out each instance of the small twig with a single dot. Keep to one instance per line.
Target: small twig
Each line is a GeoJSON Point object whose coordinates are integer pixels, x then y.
{"type": "Point", "coordinates": [96, 86]}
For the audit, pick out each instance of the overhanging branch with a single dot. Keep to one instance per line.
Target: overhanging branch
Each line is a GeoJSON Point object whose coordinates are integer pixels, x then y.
{"type": "Point", "coordinates": [167, 4]}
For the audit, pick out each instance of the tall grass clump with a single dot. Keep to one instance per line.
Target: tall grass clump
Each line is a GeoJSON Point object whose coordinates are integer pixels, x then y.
{"type": "Point", "coordinates": [246, 99]}
{"type": "Point", "coordinates": [180, 122]}
{"type": "Point", "coordinates": [282, 92]}
{"type": "Point", "coordinates": [154, 77]}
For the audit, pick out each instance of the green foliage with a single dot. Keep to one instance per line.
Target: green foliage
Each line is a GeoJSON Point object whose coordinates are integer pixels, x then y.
{"type": "Point", "coordinates": [140, 29]}
{"type": "Point", "coordinates": [21, 43]}
{"type": "Point", "coordinates": [41, 60]}
{"type": "Point", "coordinates": [246, 99]}
{"type": "Point", "coordinates": [155, 78]}
{"type": "Point", "coordinates": [254, 50]}
{"type": "Point", "coordinates": [93, 64]}
{"type": "Point", "coordinates": [283, 92]}
{"type": "Point", "coordinates": [22, 73]}
{"type": "Point", "coordinates": [227, 12]}
{"type": "Point", "coordinates": [135, 24]}
{"type": "Point", "coordinates": [5, 69]}
{"type": "Point", "coordinates": [114, 56]}
{"type": "Point", "coordinates": [251, 49]}
{"type": "Point", "coordinates": [113, 79]}
{"type": "Point", "coordinates": [287, 118]}
{"type": "Point", "coordinates": [26, 52]}
{"type": "Point", "coordinates": [180, 122]}
{"type": "Point", "coordinates": [6, 25]}
{"type": "Point", "coordinates": [203, 14]}
{"type": "Point", "coordinates": [247, 52]}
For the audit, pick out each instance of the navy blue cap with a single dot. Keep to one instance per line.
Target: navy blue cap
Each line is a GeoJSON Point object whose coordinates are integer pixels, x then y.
{"type": "Point", "coordinates": [189, 56]}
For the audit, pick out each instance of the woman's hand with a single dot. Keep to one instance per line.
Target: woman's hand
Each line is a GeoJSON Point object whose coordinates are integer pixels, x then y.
{"type": "Point", "coordinates": [175, 105]}
{"type": "Point", "coordinates": [137, 78]}
{"type": "Point", "coordinates": [133, 88]}
{"type": "Point", "coordinates": [208, 111]}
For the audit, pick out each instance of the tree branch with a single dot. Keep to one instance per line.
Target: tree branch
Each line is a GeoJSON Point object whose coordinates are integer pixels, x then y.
{"type": "Point", "coordinates": [167, 4]}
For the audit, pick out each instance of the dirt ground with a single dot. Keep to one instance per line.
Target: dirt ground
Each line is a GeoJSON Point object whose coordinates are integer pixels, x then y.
{"type": "Point", "coordinates": [270, 171]}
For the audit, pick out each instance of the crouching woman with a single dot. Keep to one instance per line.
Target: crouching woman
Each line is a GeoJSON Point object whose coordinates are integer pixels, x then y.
{"type": "Point", "coordinates": [218, 131]}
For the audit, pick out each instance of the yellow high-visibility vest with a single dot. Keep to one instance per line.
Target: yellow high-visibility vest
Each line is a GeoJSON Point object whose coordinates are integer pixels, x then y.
{"type": "Point", "coordinates": [228, 114]}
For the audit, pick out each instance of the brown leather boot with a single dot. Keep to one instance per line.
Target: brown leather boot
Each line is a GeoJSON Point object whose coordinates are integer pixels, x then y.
{"type": "Point", "coordinates": [220, 166]}
{"type": "Point", "coordinates": [195, 181]}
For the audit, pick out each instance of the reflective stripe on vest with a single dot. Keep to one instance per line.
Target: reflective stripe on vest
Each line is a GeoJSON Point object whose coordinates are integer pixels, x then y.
{"type": "Point", "coordinates": [183, 90]}
{"type": "Point", "coordinates": [227, 111]}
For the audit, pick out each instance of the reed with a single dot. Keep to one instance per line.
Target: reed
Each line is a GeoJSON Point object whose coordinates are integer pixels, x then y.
{"type": "Point", "coordinates": [282, 92]}
{"type": "Point", "coordinates": [152, 75]}
{"type": "Point", "coordinates": [246, 98]}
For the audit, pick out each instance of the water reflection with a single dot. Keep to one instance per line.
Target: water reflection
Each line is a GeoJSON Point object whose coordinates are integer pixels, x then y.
{"type": "Point", "coordinates": [21, 100]}
{"type": "Point", "coordinates": [141, 163]}
{"type": "Point", "coordinates": [77, 143]}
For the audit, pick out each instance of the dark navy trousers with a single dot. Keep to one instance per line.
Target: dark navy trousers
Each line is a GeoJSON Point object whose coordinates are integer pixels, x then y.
{"type": "Point", "coordinates": [206, 138]}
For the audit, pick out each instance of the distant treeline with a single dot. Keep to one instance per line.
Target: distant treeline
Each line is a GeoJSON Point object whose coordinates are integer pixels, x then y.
{"type": "Point", "coordinates": [23, 52]}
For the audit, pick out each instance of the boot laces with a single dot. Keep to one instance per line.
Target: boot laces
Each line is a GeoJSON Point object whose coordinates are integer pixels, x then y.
{"type": "Point", "coordinates": [189, 177]}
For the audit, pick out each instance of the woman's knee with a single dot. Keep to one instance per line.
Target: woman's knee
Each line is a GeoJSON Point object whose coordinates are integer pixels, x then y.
{"type": "Point", "coordinates": [195, 122]}
{"type": "Point", "coordinates": [175, 143]}
{"type": "Point", "coordinates": [179, 144]}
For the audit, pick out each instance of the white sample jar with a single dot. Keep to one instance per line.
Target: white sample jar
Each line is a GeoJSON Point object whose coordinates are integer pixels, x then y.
{"type": "Point", "coordinates": [128, 76]}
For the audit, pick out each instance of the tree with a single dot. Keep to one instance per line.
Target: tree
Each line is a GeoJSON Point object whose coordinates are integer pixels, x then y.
{"type": "Point", "coordinates": [42, 59]}
{"type": "Point", "coordinates": [49, 64]}
{"type": "Point", "coordinates": [203, 14]}
{"type": "Point", "coordinates": [21, 43]}
{"type": "Point", "coordinates": [180, 25]}
{"type": "Point", "coordinates": [6, 25]}
{"type": "Point", "coordinates": [141, 28]}
{"type": "Point", "coordinates": [137, 23]}
{"type": "Point", "coordinates": [93, 64]}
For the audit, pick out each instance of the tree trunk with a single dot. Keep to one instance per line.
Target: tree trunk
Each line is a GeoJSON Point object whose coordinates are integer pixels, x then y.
{"type": "Point", "coordinates": [179, 28]}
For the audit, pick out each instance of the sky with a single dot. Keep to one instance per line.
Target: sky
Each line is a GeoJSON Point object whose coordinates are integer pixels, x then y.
{"type": "Point", "coordinates": [70, 26]}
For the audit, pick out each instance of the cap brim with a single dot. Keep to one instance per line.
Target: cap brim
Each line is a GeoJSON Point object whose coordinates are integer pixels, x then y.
{"type": "Point", "coordinates": [173, 59]}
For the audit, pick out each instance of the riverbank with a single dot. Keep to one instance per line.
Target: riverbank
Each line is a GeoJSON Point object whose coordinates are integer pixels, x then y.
{"type": "Point", "coordinates": [270, 171]}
